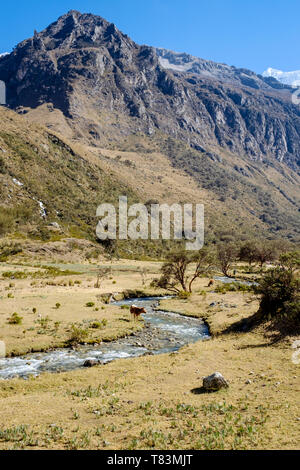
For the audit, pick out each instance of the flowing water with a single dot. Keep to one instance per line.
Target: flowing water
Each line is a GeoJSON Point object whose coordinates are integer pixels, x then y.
{"type": "Point", "coordinates": [164, 332]}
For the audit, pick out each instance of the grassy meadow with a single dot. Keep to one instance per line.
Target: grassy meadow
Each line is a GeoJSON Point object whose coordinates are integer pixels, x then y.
{"type": "Point", "coordinates": [147, 402]}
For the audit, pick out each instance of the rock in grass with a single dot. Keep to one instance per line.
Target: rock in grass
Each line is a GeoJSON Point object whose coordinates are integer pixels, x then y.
{"type": "Point", "coordinates": [214, 382]}
{"type": "Point", "coordinates": [90, 363]}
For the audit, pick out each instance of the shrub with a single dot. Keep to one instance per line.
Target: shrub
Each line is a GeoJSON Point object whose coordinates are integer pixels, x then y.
{"type": "Point", "coordinates": [90, 304]}
{"type": "Point", "coordinates": [57, 305]}
{"type": "Point", "coordinates": [279, 290]}
{"type": "Point", "coordinates": [233, 287]}
{"type": "Point", "coordinates": [183, 295]}
{"type": "Point", "coordinates": [96, 325]}
{"type": "Point", "coordinates": [44, 322]}
{"type": "Point", "coordinates": [78, 334]}
{"type": "Point", "coordinates": [15, 319]}
{"type": "Point", "coordinates": [34, 310]}
{"type": "Point", "coordinates": [6, 225]}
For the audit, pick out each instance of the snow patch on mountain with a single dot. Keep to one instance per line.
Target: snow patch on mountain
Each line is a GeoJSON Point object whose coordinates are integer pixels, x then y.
{"type": "Point", "coordinates": [288, 78]}
{"type": "Point", "coordinates": [186, 67]}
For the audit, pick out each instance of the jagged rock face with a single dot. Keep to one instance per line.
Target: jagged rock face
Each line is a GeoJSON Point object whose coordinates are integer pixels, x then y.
{"type": "Point", "coordinates": [83, 61]}
{"type": "Point", "coordinates": [182, 62]}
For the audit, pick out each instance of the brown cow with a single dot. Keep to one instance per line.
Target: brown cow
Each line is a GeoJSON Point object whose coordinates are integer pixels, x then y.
{"type": "Point", "coordinates": [211, 283]}
{"type": "Point", "coordinates": [136, 311]}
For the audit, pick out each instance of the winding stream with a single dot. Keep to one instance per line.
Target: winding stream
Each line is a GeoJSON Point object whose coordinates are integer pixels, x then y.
{"type": "Point", "coordinates": [164, 332]}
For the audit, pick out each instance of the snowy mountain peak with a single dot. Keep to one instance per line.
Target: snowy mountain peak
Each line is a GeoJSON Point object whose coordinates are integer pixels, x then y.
{"type": "Point", "coordinates": [288, 78]}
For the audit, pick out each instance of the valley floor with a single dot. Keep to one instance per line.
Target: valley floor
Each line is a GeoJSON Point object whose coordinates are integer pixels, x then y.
{"type": "Point", "coordinates": [152, 401]}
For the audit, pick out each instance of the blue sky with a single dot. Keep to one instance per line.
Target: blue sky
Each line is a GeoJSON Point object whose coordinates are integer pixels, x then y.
{"type": "Point", "coordinates": [246, 33]}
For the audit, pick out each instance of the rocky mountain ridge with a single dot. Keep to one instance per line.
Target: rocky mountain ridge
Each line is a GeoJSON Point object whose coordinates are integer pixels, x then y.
{"type": "Point", "coordinates": [82, 62]}
{"type": "Point", "coordinates": [182, 62]}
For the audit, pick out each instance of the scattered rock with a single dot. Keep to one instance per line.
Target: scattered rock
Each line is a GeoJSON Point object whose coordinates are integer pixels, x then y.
{"type": "Point", "coordinates": [90, 363]}
{"type": "Point", "coordinates": [214, 382]}
{"type": "Point", "coordinates": [248, 382]}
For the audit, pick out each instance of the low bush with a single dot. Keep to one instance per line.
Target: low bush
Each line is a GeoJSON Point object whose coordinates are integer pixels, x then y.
{"type": "Point", "coordinates": [96, 325]}
{"type": "Point", "coordinates": [78, 334]}
{"type": "Point", "coordinates": [183, 295]}
{"type": "Point", "coordinates": [233, 287]}
{"type": "Point", "coordinates": [15, 319]}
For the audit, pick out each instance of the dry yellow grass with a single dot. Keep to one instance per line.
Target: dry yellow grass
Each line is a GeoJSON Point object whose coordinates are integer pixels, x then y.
{"type": "Point", "coordinates": [157, 401]}
{"type": "Point", "coordinates": [22, 297]}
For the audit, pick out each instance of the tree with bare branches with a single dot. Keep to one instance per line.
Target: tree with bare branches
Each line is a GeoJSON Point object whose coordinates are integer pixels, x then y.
{"type": "Point", "coordinates": [227, 253]}
{"type": "Point", "coordinates": [102, 273]}
{"type": "Point", "coordinates": [176, 275]}
{"type": "Point", "coordinates": [143, 273]}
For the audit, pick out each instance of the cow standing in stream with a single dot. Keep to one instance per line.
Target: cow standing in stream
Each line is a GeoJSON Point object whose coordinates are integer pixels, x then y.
{"type": "Point", "coordinates": [136, 311]}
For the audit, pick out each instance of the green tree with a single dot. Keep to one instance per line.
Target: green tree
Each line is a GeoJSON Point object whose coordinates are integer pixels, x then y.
{"type": "Point", "coordinates": [175, 275]}
{"type": "Point", "coordinates": [248, 252]}
{"type": "Point", "coordinates": [227, 253]}
{"type": "Point", "coordinates": [279, 289]}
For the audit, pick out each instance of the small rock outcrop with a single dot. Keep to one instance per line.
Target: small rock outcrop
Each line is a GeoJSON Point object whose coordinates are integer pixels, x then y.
{"type": "Point", "coordinates": [90, 363]}
{"type": "Point", "coordinates": [214, 382]}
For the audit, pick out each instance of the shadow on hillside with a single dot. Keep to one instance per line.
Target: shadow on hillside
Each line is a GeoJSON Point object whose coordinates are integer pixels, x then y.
{"type": "Point", "coordinates": [275, 330]}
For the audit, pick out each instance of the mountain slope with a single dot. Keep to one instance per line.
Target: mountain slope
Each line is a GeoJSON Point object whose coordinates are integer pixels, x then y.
{"type": "Point", "coordinates": [211, 134]}
{"type": "Point", "coordinates": [84, 65]}
{"type": "Point", "coordinates": [43, 180]}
